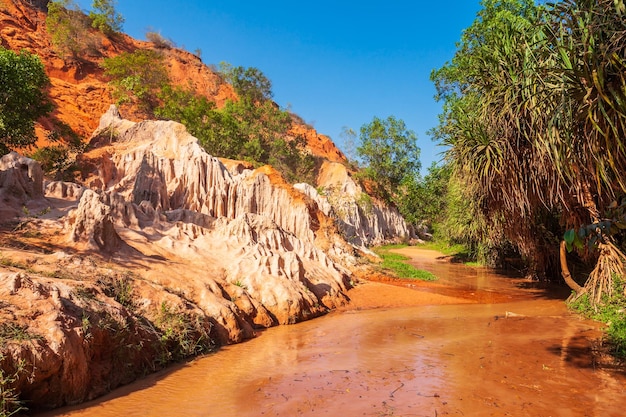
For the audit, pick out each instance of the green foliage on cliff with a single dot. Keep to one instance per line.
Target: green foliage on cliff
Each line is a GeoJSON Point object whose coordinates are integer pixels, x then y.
{"type": "Point", "coordinates": [250, 128]}
{"type": "Point", "coordinates": [69, 27]}
{"type": "Point", "coordinates": [138, 77]}
{"type": "Point", "coordinates": [105, 17]}
{"type": "Point", "coordinates": [22, 98]}
{"type": "Point", "coordinates": [248, 82]}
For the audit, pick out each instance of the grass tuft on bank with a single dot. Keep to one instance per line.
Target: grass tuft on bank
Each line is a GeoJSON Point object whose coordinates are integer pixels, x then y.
{"type": "Point", "coordinates": [396, 263]}
{"type": "Point", "coordinates": [610, 311]}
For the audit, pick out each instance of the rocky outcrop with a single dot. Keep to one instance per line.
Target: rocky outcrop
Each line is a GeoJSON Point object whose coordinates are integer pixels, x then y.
{"type": "Point", "coordinates": [163, 234]}
{"type": "Point", "coordinates": [92, 223]}
{"type": "Point", "coordinates": [159, 182]}
{"type": "Point", "coordinates": [21, 185]}
{"type": "Point", "coordinates": [363, 221]}
{"type": "Point", "coordinates": [70, 347]}
{"type": "Point", "coordinates": [21, 179]}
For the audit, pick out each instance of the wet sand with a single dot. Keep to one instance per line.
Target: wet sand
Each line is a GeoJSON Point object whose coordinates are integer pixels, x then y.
{"type": "Point", "coordinates": [472, 344]}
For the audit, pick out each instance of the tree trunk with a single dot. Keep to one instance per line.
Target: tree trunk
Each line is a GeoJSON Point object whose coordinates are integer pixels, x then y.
{"type": "Point", "coordinates": [565, 271]}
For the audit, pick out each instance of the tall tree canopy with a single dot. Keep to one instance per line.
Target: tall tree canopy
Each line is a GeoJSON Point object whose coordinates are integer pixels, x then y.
{"type": "Point", "coordinates": [390, 156]}
{"type": "Point", "coordinates": [535, 116]}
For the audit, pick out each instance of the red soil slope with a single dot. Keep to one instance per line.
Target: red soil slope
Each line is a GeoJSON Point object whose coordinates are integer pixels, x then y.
{"type": "Point", "coordinates": [80, 91]}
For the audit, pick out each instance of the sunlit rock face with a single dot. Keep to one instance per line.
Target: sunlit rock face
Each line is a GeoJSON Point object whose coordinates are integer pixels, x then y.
{"type": "Point", "coordinates": [156, 217]}
{"type": "Point", "coordinates": [257, 230]}
{"type": "Point", "coordinates": [362, 220]}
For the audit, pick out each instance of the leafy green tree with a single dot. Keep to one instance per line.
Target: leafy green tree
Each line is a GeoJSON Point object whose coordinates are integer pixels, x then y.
{"type": "Point", "coordinates": [248, 82]}
{"type": "Point", "coordinates": [218, 133]}
{"type": "Point", "coordinates": [138, 77]}
{"type": "Point", "coordinates": [424, 199]}
{"type": "Point", "coordinates": [390, 155]}
{"type": "Point", "coordinates": [69, 28]}
{"type": "Point", "coordinates": [535, 117]}
{"type": "Point", "coordinates": [23, 98]}
{"type": "Point", "coordinates": [105, 18]}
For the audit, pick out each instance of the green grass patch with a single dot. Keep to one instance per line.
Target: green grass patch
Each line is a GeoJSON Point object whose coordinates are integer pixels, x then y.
{"type": "Point", "coordinates": [396, 263]}
{"type": "Point", "coordinates": [14, 332]}
{"type": "Point", "coordinates": [611, 310]}
{"type": "Point", "coordinates": [458, 251]}
{"type": "Point", "coordinates": [445, 248]}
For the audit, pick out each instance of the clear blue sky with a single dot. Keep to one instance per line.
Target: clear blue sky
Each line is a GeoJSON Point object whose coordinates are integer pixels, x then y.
{"type": "Point", "coordinates": [334, 63]}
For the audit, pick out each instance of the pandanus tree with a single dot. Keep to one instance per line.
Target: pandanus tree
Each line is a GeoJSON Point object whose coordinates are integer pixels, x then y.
{"type": "Point", "coordinates": [489, 128]}
{"type": "Point", "coordinates": [586, 46]}
{"type": "Point", "coordinates": [534, 113]}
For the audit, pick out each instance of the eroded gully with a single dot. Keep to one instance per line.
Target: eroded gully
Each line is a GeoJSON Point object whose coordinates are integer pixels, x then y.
{"type": "Point", "coordinates": [473, 344]}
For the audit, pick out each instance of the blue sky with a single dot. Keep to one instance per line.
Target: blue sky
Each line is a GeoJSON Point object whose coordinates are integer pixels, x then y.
{"type": "Point", "coordinates": [334, 63]}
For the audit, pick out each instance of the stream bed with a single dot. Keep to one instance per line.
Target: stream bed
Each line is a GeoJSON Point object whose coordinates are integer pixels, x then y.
{"type": "Point", "coordinates": [506, 348]}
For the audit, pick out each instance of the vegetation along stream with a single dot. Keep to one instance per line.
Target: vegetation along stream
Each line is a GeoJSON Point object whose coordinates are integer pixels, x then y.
{"type": "Point", "coordinates": [474, 343]}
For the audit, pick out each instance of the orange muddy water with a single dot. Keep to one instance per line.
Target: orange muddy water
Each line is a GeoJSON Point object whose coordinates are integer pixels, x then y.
{"type": "Point", "coordinates": [472, 344]}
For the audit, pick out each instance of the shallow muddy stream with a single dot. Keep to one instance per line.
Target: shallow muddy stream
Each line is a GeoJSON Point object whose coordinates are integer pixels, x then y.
{"type": "Point", "coordinates": [472, 344]}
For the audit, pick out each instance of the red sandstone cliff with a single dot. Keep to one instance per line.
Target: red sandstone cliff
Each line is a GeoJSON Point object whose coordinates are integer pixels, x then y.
{"type": "Point", "coordinates": [80, 91]}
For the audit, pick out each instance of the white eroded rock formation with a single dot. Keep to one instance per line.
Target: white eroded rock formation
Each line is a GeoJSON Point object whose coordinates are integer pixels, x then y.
{"type": "Point", "coordinates": [251, 229]}
{"type": "Point", "coordinates": [161, 253]}
{"type": "Point", "coordinates": [363, 221]}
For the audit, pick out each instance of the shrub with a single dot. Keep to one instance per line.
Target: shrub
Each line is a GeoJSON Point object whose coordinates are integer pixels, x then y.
{"type": "Point", "coordinates": [292, 160]}
{"type": "Point", "coordinates": [182, 334]}
{"type": "Point", "coordinates": [159, 41]}
{"type": "Point", "coordinates": [105, 18]}
{"type": "Point", "coordinates": [22, 98]}
{"type": "Point", "coordinates": [10, 403]}
{"type": "Point", "coordinates": [69, 28]}
{"type": "Point", "coordinates": [137, 77]}
{"type": "Point", "coordinates": [610, 310]}
{"type": "Point", "coordinates": [55, 161]}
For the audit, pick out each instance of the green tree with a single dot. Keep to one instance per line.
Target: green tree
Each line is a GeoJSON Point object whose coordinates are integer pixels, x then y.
{"type": "Point", "coordinates": [425, 198]}
{"type": "Point", "coordinates": [105, 17]}
{"type": "Point", "coordinates": [248, 82]}
{"type": "Point", "coordinates": [218, 133]}
{"type": "Point", "coordinates": [535, 115]}
{"type": "Point", "coordinates": [23, 98]}
{"type": "Point", "coordinates": [69, 28]}
{"type": "Point", "coordinates": [138, 77]}
{"type": "Point", "coordinates": [491, 127]}
{"type": "Point", "coordinates": [390, 155]}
